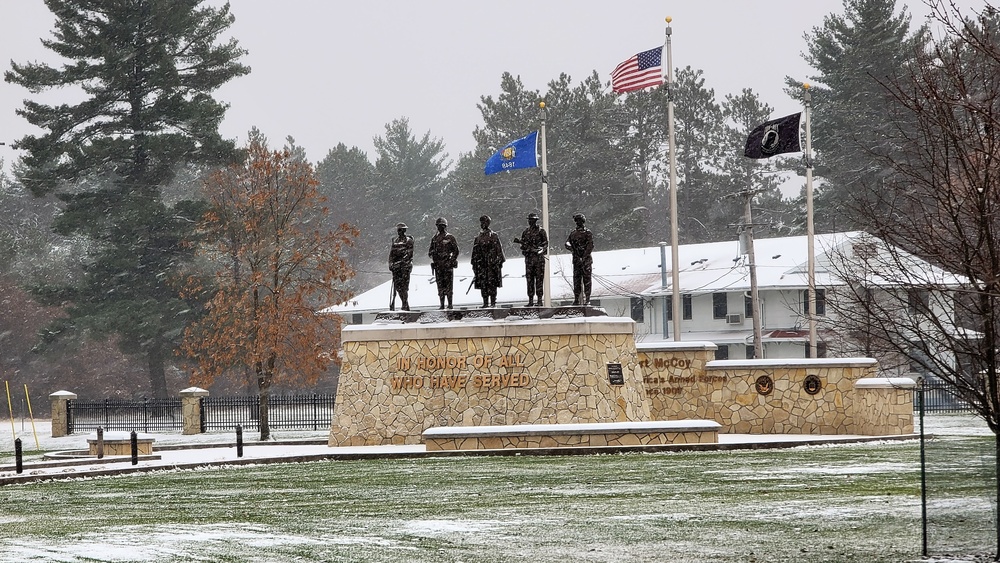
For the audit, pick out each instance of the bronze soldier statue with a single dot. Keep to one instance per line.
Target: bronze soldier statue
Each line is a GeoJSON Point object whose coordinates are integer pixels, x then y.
{"type": "Point", "coordinates": [534, 243]}
{"type": "Point", "coordinates": [401, 264]}
{"type": "Point", "coordinates": [581, 243]}
{"type": "Point", "coordinates": [487, 262]}
{"type": "Point", "coordinates": [444, 260]}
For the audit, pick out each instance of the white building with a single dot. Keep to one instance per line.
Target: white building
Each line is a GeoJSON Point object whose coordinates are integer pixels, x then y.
{"type": "Point", "coordinates": [714, 285]}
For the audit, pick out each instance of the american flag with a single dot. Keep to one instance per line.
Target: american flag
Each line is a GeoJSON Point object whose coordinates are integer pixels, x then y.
{"type": "Point", "coordinates": [643, 70]}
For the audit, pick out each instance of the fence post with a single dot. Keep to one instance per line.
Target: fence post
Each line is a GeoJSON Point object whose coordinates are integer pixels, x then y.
{"type": "Point", "coordinates": [18, 459]}
{"type": "Point", "coordinates": [191, 408]}
{"type": "Point", "coordinates": [133, 442]}
{"type": "Point", "coordinates": [60, 412]}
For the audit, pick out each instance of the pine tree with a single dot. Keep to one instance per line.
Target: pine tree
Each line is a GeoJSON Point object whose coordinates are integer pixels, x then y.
{"type": "Point", "coordinates": [146, 70]}
{"type": "Point", "coordinates": [698, 138]}
{"type": "Point", "coordinates": [346, 178]}
{"type": "Point", "coordinates": [503, 196]}
{"type": "Point", "coordinates": [855, 55]}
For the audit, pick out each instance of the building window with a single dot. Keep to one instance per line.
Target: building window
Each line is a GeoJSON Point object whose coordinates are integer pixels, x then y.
{"type": "Point", "coordinates": [638, 309]}
{"type": "Point", "coordinates": [749, 352]}
{"type": "Point", "coordinates": [747, 307]}
{"type": "Point", "coordinates": [720, 305]}
{"type": "Point", "coordinates": [722, 352]}
{"type": "Point", "coordinates": [820, 302]}
{"type": "Point", "coordinates": [685, 307]}
{"type": "Point", "coordinates": [820, 350]}
{"type": "Point", "coordinates": [356, 318]}
{"type": "Point", "coordinates": [918, 300]}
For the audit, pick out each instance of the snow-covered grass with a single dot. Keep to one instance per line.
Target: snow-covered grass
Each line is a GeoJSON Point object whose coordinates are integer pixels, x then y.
{"type": "Point", "coordinates": [857, 502]}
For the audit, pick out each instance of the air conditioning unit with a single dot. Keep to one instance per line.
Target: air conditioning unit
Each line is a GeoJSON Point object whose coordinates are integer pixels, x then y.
{"type": "Point", "coordinates": [734, 319]}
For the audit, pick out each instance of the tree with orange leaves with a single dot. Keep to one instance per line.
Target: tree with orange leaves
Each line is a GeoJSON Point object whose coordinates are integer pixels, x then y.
{"type": "Point", "coordinates": [274, 267]}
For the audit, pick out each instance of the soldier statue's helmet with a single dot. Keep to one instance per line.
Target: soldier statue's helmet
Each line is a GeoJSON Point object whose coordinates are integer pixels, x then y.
{"type": "Point", "coordinates": [401, 225]}
{"type": "Point", "coordinates": [441, 221]}
{"type": "Point", "coordinates": [579, 216]}
{"type": "Point", "coordinates": [533, 216]}
{"type": "Point", "coordinates": [486, 218]}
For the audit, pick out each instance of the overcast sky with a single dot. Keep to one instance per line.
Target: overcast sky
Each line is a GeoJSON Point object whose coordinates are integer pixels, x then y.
{"type": "Point", "coordinates": [330, 71]}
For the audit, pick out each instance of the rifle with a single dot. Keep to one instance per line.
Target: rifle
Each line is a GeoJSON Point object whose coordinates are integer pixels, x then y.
{"type": "Point", "coordinates": [392, 295]}
{"type": "Point", "coordinates": [433, 274]}
{"type": "Point", "coordinates": [539, 250]}
{"type": "Point", "coordinates": [472, 283]}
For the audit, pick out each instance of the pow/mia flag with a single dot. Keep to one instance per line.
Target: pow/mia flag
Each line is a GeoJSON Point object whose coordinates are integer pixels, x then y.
{"type": "Point", "coordinates": [774, 137]}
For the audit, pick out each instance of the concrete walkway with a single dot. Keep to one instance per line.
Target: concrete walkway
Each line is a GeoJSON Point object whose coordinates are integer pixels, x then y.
{"type": "Point", "coordinates": [178, 455]}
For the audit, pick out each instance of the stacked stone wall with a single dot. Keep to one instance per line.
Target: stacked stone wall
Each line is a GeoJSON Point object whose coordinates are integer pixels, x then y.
{"type": "Point", "coordinates": [398, 381]}
{"type": "Point", "coordinates": [782, 396]}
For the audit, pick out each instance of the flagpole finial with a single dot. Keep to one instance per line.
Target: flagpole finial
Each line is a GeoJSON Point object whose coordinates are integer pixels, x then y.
{"type": "Point", "coordinates": [805, 85]}
{"type": "Point", "coordinates": [541, 104]}
{"type": "Point", "coordinates": [669, 19]}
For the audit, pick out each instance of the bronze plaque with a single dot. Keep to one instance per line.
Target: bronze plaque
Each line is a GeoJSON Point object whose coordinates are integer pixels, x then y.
{"type": "Point", "coordinates": [764, 385]}
{"type": "Point", "coordinates": [615, 375]}
{"type": "Point", "coordinates": [812, 384]}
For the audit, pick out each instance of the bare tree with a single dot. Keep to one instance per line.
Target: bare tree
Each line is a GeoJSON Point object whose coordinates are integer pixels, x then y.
{"type": "Point", "coordinates": [936, 198]}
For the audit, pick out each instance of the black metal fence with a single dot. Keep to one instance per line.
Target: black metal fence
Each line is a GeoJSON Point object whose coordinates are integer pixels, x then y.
{"type": "Point", "coordinates": [939, 398]}
{"type": "Point", "coordinates": [285, 412]}
{"type": "Point", "coordinates": [146, 415]}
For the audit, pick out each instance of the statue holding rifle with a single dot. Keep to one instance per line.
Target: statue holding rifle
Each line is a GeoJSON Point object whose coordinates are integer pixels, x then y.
{"type": "Point", "coordinates": [444, 259]}
{"type": "Point", "coordinates": [581, 244]}
{"type": "Point", "coordinates": [534, 243]}
{"type": "Point", "coordinates": [487, 262]}
{"type": "Point", "coordinates": [401, 264]}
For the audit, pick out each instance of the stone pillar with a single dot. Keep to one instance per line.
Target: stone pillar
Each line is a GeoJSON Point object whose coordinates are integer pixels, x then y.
{"type": "Point", "coordinates": [60, 412]}
{"type": "Point", "coordinates": [191, 408]}
{"type": "Point", "coordinates": [884, 406]}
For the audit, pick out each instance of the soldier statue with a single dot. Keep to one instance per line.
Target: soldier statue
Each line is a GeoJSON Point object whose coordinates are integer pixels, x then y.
{"type": "Point", "coordinates": [487, 262]}
{"type": "Point", "coordinates": [581, 243]}
{"type": "Point", "coordinates": [401, 264]}
{"type": "Point", "coordinates": [534, 243]}
{"type": "Point", "coordinates": [444, 260]}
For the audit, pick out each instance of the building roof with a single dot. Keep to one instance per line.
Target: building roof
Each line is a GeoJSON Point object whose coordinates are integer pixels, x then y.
{"type": "Point", "coordinates": [704, 268]}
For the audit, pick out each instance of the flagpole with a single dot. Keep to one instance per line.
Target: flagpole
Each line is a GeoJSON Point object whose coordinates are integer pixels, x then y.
{"type": "Point", "coordinates": [810, 230]}
{"type": "Point", "coordinates": [546, 284]}
{"type": "Point", "coordinates": [674, 260]}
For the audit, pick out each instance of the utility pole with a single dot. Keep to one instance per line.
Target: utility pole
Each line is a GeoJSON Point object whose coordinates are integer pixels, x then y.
{"type": "Point", "coordinates": [745, 229]}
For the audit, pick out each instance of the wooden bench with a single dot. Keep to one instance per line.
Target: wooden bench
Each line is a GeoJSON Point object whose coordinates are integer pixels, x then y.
{"type": "Point", "coordinates": [582, 435]}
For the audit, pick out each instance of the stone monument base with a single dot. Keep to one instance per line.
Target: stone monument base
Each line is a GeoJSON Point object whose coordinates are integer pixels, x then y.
{"type": "Point", "coordinates": [485, 367]}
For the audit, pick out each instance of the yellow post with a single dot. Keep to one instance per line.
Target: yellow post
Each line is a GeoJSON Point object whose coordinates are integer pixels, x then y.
{"type": "Point", "coordinates": [31, 415]}
{"type": "Point", "coordinates": [10, 409]}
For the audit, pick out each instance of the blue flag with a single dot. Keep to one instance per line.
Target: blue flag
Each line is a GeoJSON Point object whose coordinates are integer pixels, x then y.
{"type": "Point", "coordinates": [517, 154]}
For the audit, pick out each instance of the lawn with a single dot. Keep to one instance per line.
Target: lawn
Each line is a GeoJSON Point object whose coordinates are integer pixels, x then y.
{"type": "Point", "coordinates": [806, 504]}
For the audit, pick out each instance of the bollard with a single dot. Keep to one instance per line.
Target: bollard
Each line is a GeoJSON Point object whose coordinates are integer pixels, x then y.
{"type": "Point", "coordinates": [133, 441]}
{"type": "Point", "coordinates": [100, 443]}
{"type": "Point", "coordinates": [239, 441]}
{"type": "Point", "coordinates": [19, 463]}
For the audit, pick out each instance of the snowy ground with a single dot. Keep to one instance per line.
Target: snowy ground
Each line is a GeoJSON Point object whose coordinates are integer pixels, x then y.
{"type": "Point", "coordinates": [36, 437]}
{"type": "Point", "coordinates": [743, 507]}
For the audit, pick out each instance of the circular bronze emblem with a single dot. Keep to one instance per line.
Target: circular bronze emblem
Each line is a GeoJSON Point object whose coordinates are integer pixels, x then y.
{"type": "Point", "coordinates": [812, 384]}
{"type": "Point", "coordinates": [764, 385]}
